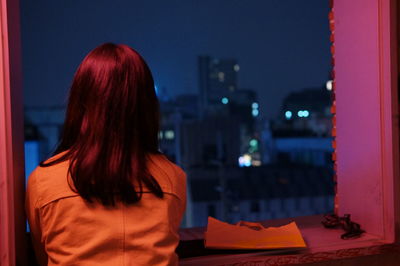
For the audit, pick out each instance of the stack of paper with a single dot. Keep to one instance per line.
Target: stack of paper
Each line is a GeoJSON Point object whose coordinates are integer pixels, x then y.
{"type": "Point", "coordinates": [246, 235]}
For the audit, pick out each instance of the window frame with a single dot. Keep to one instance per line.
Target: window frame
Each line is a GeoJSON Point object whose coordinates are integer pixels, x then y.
{"type": "Point", "coordinates": [12, 177]}
{"type": "Point", "coordinates": [365, 53]}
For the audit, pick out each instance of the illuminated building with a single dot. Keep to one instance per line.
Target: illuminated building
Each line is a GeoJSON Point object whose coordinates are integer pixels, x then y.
{"type": "Point", "coordinates": [302, 133]}
{"type": "Point", "coordinates": [217, 80]}
{"type": "Point", "coordinates": [306, 112]}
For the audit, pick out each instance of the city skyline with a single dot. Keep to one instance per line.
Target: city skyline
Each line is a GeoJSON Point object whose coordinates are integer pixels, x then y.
{"type": "Point", "coordinates": [280, 46]}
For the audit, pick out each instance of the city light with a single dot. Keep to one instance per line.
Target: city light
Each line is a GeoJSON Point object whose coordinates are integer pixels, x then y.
{"type": "Point", "coordinates": [221, 76]}
{"type": "Point", "coordinates": [236, 67]}
{"type": "Point", "coordinates": [160, 135]}
{"type": "Point", "coordinates": [169, 134]}
{"type": "Point", "coordinates": [302, 113]}
{"type": "Point", "coordinates": [225, 100]}
{"type": "Point", "coordinates": [245, 160]}
{"type": "Point", "coordinates": [253, 143]}
{"type": "Point", "coordinates": [253, 146]}
{"type": "Point", "coordinates": [254, 111]}
{"type": "Point", "coordinates": [329, 85]}
{"type": "Point", "coordinates": [288, 115]}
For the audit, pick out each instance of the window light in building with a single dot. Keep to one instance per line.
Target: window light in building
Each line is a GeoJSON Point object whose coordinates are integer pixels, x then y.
{"type": "Point", "coordinates": [288, 115]}
{"type": "Point", "coordinates": [225, 100]}
{"type": "Point", "coordinates": [255, 112]}
{"type": "Point", "coordinates": [302, 113]}
{"type": "Point", "coordinates": [221, 76]}
{"type": "Point", "coordinates": [236, 67]}
{"type": "Point", "coordinates": [253, 143]}
{"type": "Point", "coordinates": [253, 146]}
{"type": "Point", "coordinates": [169, 134]}
{"type": "Point", "coordinates": [329, 85]}
{"type": "Point", "coordinates": [245, 160]}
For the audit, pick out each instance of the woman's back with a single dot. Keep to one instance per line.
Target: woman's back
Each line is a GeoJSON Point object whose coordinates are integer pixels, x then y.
{"type": "Point", "coordinates": [72, 231]}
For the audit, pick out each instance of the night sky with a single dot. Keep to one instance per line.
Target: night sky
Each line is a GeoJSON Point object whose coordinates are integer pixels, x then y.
{"type": "Point", "coordinates": [281, 45]}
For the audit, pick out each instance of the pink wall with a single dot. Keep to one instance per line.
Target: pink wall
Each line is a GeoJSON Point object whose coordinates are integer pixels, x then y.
{"type": "Point", "coordinates": [364, 113]}
{"type": "Point", "coordinates": [12, 220]}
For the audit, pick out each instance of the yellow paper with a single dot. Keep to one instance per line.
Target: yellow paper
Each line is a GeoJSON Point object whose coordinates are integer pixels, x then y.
{"type": "Point", "coordinates": [227, 236]}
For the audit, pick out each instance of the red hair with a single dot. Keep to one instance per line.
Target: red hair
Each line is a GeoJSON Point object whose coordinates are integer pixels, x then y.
{"type": "Point", "coordinates": [111, 126]}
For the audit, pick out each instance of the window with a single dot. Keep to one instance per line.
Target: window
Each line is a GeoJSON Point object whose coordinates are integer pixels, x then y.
{"type": "Point", "coordinates": [223, 88]}
{"type": "Point", "coordinates": [217, 118]}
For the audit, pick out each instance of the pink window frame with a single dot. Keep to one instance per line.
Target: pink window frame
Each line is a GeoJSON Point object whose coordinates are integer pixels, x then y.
{"type": "Point", "coordinates": [367, 153]}
{"type": "Point", "coordinates": [12, 179]}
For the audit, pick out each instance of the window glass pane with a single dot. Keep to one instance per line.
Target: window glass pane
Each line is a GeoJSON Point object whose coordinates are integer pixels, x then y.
{"type": "Point", "coordinates": [244, 88]}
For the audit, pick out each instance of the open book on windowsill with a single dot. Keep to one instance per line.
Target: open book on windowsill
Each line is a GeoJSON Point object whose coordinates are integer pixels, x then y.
{"type": "Point", "coordinates": [253, 236]}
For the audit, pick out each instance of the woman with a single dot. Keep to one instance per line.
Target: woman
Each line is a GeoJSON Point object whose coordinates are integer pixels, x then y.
{"type": "Point", "coordinates": [107, 196]}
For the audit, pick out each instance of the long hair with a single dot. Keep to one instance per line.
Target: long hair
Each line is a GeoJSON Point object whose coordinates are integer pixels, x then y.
{"type": "Point", "coordinates": [111, 127]}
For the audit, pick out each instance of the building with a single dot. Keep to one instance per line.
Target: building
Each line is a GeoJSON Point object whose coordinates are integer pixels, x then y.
{"type": "Point", "coordinates": [221, 98]}
{"type": "Point", "coordinates": [306, 112]}
{"type": "Point", "coordinates": [174, 114]}
{"type": "Point", "coordinates": [217, 80]}
{"type": "Point", "coordinates": [302, 134]}
{"type": "Point", "coordinates": [43, 126]}
{"type": "Point", "coordinates": [260, 193]}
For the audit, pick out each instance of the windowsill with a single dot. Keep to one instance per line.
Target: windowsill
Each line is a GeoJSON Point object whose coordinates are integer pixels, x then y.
{"type": "Point", "coordinates": [322, 245]}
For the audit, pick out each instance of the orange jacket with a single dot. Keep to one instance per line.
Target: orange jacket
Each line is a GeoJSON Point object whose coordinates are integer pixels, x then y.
{"type": "Point", "coordinates": [67, 230]}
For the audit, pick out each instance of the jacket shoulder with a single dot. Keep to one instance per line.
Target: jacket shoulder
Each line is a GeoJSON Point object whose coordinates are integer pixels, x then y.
{"type": "Point", "coordinates": [170, 176]}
